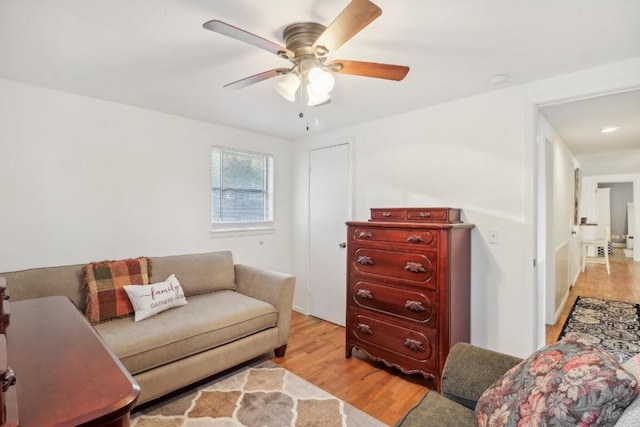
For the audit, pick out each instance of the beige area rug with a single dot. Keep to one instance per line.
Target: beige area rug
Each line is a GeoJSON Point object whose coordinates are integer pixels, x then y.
{"type": "Point", "coordinates": [259, 394]}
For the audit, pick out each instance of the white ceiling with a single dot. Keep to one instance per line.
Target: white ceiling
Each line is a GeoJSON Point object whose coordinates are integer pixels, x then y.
{"type": "Point", "coordinates": [579, 122]}
{"type": "Point", "coordinates": [155, 54]}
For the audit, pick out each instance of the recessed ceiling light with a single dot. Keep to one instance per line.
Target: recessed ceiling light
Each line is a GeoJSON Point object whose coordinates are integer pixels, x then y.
{"type": "Point", "coordinates": [499, 79]}
{"type": "Point", "coordinates": [609, 129]}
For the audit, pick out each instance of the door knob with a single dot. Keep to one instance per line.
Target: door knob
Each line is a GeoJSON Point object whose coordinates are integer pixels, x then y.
{"type": "Point", "coordinates": [343, 245]}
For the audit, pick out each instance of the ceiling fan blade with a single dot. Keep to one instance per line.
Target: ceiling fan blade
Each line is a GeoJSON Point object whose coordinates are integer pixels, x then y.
{"type": "Point", "coordinates": [357, 15]}
{"type": "Point", "coordinates": [369, 69]}
{"type": "Point", "coordinates": [247, 37]}
{"type": "Point", "coordinates": [256, 78]}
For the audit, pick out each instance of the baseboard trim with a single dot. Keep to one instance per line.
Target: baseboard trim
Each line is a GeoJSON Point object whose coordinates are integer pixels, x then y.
{"type": "Point", "coordinates": [301, 310]}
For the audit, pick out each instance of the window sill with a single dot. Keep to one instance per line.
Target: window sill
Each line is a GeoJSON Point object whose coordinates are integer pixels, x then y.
{"type": "Point", "coordinates": [245, 231]}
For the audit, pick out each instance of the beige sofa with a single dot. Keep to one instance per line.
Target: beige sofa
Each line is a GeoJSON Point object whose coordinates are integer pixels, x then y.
{"type": "Point", "coordinates": [233, 313]}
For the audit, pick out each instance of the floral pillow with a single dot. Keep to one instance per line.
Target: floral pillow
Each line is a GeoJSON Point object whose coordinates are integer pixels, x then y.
{"type": "Point", "coordinates": [631, 415]}
{"type": "Point", "coordinates": [633, 367]}
{"type": "Point", "coordinates": [571, 382]}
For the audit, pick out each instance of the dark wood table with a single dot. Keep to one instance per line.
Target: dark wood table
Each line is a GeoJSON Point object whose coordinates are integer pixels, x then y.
{"type": "Point", "coordinates": [66, 375]}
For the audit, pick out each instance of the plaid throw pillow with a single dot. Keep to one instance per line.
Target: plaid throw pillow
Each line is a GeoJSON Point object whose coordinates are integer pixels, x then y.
{"type": "Point", "coordinates": [104, 286]}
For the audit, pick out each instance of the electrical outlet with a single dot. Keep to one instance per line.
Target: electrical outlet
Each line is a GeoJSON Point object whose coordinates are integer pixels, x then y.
{"type": "Point", "coordinates": [494, 236]}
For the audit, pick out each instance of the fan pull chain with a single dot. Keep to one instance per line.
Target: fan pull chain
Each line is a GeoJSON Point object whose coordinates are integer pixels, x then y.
{"type": "Point", "coordinates": [302, 106]}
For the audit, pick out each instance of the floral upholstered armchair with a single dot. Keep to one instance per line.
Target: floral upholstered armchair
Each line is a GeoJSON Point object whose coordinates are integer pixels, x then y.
{"type": "Point", "coordinates": [571, 382]}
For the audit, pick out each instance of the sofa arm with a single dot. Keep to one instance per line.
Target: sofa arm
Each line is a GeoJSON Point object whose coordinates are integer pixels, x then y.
{"type": "Point", "coordinates": [470, 370]}
{"type": "Point", "coordinates": [272, 287]}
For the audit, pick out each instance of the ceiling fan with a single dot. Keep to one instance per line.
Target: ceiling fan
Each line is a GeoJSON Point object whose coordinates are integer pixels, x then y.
{"type": "Point", "coordinates": [308, 45]}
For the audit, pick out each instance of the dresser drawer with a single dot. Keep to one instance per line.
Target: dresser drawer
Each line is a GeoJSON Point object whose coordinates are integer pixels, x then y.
{"type": "Point", "coordinates": [415, 345]}
{"type": "Point", "coordinates": [390, 214]}
{"type": "Point", "coordinates": [437, 215]}
{"type": "Point", "coordinates": [415, 268]}
{"type": "Point", "coordinates": [413, 305]}
{"type": "Point", "coordinates": [420, 238]}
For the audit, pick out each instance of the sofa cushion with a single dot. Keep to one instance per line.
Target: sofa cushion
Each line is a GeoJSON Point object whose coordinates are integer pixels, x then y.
{"type": "Point", "coordinates": [47, 282]}
{"type": "Point", "coordinates": [571, 382]}
{"type": "Point", "coordinates": [436, 410]}
{"type": "Point", "coordinates": [198, 273]}
{"type": "Point", "coordinates": [104, 283]}
{"type": "Point", "coordinates": [208, 321]}
{"type": "Point", "coordinates": [155, 298]}
{"type": "Point", "coordinates": [469, 370]}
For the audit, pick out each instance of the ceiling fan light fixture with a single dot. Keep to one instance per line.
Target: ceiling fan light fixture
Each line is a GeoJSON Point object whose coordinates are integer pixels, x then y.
{"type": "Point", "coordinates": [316, 100]}
{"type": "Point", "coordinates": [288, 86]}
{"type": "Point", "coordinates": [321, 82]}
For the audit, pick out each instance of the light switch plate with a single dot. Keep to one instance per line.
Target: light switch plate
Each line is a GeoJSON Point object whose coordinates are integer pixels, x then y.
{"type": "Point", "coordinates": [494, 236]}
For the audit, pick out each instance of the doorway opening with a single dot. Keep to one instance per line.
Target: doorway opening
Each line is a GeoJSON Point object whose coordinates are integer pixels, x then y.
{"type": "Point", "coordinates": [597, 166]}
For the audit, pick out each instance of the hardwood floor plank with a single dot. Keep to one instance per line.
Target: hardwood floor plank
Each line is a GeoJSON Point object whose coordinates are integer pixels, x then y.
{"type": "Point", "coordinates": [316, 352]}
{"type": "Point", "coordinates": [623, 284]}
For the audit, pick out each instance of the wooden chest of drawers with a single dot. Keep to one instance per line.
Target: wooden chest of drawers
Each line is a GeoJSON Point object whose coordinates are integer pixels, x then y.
{"type": "Point", "coordinates": [408, 288]}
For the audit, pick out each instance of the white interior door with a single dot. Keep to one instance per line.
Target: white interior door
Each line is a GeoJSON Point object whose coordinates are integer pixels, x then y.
{"type": "Point", "coordinates": [603, 210]}
{"type": "Point", "coordinates": [630, 225]}
{"type": "Point", "coordinates": [329, 186]}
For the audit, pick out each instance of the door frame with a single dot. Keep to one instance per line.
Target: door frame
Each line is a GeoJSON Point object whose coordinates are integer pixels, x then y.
{"type": "Point", "coordinates": [538, 180]}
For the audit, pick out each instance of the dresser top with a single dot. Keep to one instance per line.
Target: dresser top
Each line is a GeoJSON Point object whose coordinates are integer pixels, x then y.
{"type": "Point", "coordinates": [401, 224]}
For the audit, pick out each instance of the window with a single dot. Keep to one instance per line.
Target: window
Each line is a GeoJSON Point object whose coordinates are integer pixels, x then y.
{"type": "Point", "coordinates": [241, 189]}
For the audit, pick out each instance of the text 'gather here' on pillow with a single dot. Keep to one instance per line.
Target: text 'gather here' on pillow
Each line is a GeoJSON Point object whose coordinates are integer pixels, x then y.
{"type": "Point", "coordinates": [149, 300]}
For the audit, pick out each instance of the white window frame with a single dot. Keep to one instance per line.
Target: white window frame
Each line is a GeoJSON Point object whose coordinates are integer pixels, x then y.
{"type": "Point", "coordinates": [245, 227]}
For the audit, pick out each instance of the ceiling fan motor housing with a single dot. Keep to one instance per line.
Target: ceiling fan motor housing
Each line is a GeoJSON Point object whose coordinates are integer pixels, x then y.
{"type": "Point", "coordinates": [300, 37]}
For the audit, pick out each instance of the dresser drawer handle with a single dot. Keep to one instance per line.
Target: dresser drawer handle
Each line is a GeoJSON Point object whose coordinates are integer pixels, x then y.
{"type": "Point", "coordinates": [365, 235]}
{"type": "Point", "coordinates": [425, 214]}
{"type": "Point", "coordinates": [364, 328]}
{"type": "Point", "coordinates": [386, 214]}
{"type": "Point", "coordinates": [414, 305]}
{"type": "Point", "coordinates": [414, 345]}
{"type": "Point", "coordinates": [415, 239]}
{"type": "Point", "coordinates": [365, 294]}
{"type": "Point", "coordinates": [8, 379]}
{"type": "Point", "coordinates": [365, 260]}
{"type": "Point", "coordinates": [414, 267]}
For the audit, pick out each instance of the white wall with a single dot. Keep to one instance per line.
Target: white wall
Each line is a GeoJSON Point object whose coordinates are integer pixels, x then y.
{"type": "Point", "coordinates": [467, 154]}
{"type": "Point", "coordinates": [83, 180]}
{"type": "Point", "coordinates": [478, 154]}
{"type": "Point", "coordinates": [607, 163]}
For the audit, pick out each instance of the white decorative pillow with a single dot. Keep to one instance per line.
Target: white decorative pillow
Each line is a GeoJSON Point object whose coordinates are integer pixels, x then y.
{"type": "Point", "coordinates": [149, 300]}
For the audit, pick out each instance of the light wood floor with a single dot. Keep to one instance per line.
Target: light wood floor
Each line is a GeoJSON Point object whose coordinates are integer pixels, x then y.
{"type": "Point", "coordinates": [316, 349]}
{"type": "Point", "coordinates": [622, 285]}
{"type": "Point", "coordinates": [316, 352]}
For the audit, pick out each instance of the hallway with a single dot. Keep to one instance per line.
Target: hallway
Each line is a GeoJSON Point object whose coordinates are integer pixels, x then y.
{"type": "Point", "coordinates": [622, 285]}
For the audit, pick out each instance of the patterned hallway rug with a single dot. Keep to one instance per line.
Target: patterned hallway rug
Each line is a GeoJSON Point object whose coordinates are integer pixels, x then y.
{"type": "Point", "coordinates": [614, 325]}
{"type": "Point", "coordinates": [259, 394]}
